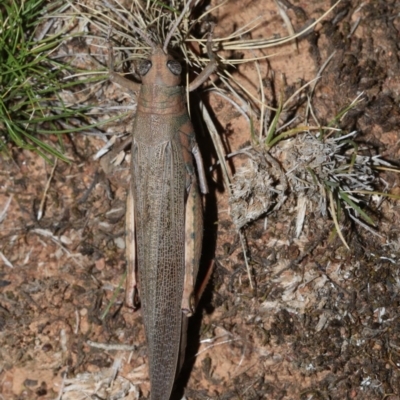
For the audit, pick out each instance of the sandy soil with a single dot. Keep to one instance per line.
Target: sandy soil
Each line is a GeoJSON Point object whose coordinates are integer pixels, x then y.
{"type": "Point", "coordinates": [316, 322]}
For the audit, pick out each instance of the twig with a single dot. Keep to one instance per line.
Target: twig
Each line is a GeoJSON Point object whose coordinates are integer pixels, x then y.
{"type": "Point", "coordinates": [5, 209]}
{"type": "Point", "coordinates": [46, 189]}
{"type": "Point", "coordinates": [5, 260]}
{"type": "Point", "coordinates": [111, 346]}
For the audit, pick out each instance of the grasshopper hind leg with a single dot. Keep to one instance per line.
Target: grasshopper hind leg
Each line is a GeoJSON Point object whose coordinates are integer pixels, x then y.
{"type": "Point", "coordinates": [130, 238]}
{"type": "Point", "coordinates": [193, 243]}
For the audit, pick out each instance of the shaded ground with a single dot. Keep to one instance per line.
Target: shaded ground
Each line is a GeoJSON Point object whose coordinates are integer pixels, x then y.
{"type": "Point", "coordinates": [320, 323]}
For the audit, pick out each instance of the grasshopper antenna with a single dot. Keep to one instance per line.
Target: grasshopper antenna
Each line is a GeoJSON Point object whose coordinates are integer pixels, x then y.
{"type": "Point", "coordinates": [177, 22]}
{"type": "Point", "coordinates": [133, 27]}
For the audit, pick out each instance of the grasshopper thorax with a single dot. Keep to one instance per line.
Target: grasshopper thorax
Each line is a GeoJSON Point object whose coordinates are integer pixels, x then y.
{"type": "Point", "coordinates": [160, 69]}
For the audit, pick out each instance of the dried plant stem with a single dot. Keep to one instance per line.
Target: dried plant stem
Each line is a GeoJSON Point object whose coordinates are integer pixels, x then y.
{"type": "Point", "coordinates": [244, 247]}
{"type": "Point", "coordinates": [335, 220]}
{"type": "Point", "coordinates": [46, 189]}
{"type": "Point", "coordinates": [217, 144]}
{"type": "Point", "coordinates": [177, 22]}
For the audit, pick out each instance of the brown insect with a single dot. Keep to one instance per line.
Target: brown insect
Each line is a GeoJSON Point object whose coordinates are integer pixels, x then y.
{"type": "Point", "coordinates": [164, 223]}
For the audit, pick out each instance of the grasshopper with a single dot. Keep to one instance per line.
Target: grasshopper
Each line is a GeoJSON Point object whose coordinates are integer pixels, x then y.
{"type": "Point", "coordinates": [164, 224]}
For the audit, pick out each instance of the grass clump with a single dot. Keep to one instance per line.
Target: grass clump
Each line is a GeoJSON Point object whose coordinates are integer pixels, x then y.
{"type": "Point", "coordinates": [31, 103]}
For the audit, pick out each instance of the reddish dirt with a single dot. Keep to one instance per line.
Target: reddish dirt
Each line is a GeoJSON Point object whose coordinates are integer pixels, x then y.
{"type": "Point", "coordinates": [320, 322]}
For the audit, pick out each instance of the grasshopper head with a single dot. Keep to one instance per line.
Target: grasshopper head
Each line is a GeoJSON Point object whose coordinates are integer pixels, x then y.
{"type": "Point", "coordinates": [160, 69]}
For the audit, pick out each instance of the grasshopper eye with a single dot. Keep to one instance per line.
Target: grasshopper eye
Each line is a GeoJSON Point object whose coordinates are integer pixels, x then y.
{"type": "Point", "coordinates": [144, 67]}
{"type": "Point", "coordinates": [174, 66]}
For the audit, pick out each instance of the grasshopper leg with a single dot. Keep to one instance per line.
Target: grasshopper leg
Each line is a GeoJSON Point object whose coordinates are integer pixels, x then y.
{"type": "Point", "coordinates": [200, 169]}
{"type": "Point", "coordinates": [130, 238]}
{"type": "Point", "coordinates": [193, 241]}
{"type": "Point", "coordinates": [116, 78]}
{"type": "Point", "coordinates": [208, 70]}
